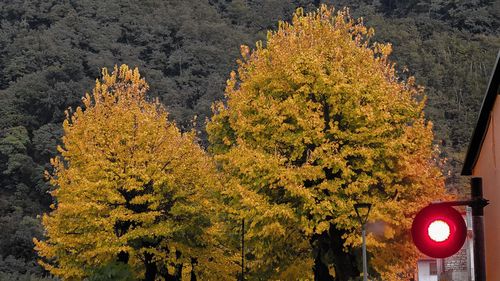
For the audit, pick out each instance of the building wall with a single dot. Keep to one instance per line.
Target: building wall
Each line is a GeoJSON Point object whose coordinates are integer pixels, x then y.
{"type": "Point", "coordinates": [487, 167]}
{"type": "Point", "coordinates": [424, 271]}
{"type": "Point", "coordinates": [456, 265]}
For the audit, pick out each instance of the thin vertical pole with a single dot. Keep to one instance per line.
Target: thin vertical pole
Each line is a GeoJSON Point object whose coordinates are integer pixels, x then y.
{"type": "Point", "coordinates": [243, 249]}
{"type": "Point", "coordinates": [365, 266]}
{"type": "Point", "coordinates": [478, 228]}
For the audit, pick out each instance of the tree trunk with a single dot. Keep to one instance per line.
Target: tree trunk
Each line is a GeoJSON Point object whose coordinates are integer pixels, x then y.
{"type": "Point", "coordinates": [328, 246]}
{"type": "Point", "coordinates": [320, 268]}
{"type": "Point", "coordinates": [177, 274]}
{"type": "Point", "coordinates": [151, 269]}
{"type": "Point", "coordinates": [194, 262]}
{"type": "Point", "coordinates": [345, 263]}
{"type": "Point", "coordinates": [321, 272]}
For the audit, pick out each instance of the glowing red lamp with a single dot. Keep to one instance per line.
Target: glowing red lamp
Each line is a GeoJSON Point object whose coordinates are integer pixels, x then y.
{"type": "Point", "coordinates": [438, 231]}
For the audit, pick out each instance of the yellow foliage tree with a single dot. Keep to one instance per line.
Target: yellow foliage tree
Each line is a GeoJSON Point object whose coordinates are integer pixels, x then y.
{"type": "Point", "coordinates": [130, 187]}
{"type": "Point", "coordinates": [316, 121]}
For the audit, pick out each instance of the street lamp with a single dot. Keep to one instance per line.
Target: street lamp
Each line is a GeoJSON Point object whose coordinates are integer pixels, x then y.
{"type": "Point", "coordinates": [362, 211]}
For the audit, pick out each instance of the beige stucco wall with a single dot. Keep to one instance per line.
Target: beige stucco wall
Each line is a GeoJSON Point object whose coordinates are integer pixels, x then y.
{"type": "Point", "coordinates": [487, 167]}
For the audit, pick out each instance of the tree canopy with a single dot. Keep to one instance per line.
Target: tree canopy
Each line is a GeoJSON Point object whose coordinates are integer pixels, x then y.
{"type": "Point", "coordinates": [130, 187]}
{"type": "Point", "coordinates": [316, 120]}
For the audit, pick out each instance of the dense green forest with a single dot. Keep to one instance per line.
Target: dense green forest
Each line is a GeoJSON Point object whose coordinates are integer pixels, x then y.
{"type": "Point", "coordinates": [51, 52]}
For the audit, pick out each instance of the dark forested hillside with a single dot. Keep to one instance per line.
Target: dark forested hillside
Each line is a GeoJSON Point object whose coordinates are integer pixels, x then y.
{"type": "Point", "coordinates": [51, 52]}
{"type": "Point", "coordinates": [450, 47]}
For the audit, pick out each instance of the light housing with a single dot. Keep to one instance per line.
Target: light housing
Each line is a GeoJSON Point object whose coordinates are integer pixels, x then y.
{"type": "Point", "coordinates": [438, 231]}
{"type": "Point", "coordinates": [362, 211]}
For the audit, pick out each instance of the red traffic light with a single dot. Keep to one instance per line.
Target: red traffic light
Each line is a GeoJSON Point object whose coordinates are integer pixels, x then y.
{"type": "Point", "coordinates": [438, 231]}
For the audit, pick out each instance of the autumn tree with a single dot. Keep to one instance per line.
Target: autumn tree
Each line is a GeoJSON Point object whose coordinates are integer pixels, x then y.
{"type": "Point", "coordinates": [131, 188]}
{"type": "Point", "coordinates": [317, 119]}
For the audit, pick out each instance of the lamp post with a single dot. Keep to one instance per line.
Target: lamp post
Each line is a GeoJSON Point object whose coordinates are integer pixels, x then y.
{"type": "Point", "coordinates": [364, 209]}
{"type": "Point", "coordinates": [243, 250]}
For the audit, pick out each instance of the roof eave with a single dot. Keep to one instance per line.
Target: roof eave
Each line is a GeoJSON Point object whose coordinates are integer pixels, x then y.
{"type": "Point", "coordinates": [481, 128]}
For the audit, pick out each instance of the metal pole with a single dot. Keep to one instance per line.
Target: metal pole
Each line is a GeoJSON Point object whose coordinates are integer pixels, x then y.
{"type": "Point", "coordinates": [365, 266]}
{"type": "Point", "coordinates": [243, 249]}
{"type": "Point", "coordinates": [478, 228]}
